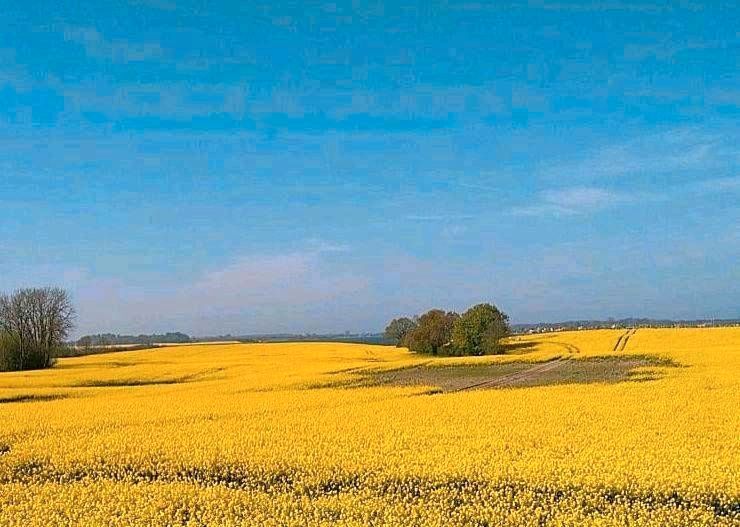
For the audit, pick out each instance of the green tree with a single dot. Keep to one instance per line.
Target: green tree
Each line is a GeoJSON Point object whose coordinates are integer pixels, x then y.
{"type": "Point", "coordinates": [433, 332]}
{"type": "Point", "coordinates": [479, 331]}
{"type": "Point", "coordinates": [398, 329]}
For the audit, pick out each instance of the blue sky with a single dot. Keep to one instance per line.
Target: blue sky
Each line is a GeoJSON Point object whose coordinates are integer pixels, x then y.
{"type": "Point", "coordinates": [308, 166]}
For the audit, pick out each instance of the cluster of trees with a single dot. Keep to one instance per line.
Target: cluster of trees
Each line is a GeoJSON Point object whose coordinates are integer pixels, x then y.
{"type": "Point", "coordinates": [34, 325]}
{"type": "Point", "coordinates": [478, 331]}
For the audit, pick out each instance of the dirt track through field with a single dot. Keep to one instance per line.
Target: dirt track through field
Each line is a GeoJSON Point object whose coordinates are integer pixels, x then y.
{"type": "Point", "coordinates": [518, 377]}
{"type": "Point", "coordinates": [623, 339]}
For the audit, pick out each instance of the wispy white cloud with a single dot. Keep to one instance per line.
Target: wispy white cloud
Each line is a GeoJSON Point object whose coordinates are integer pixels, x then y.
{"type": "Point", "coordinates": [318, 246]}
{"type": "Point", "coordinates": [666, 48]}
{"type": "Point", "coordinates": [571, 201]}
{"type": "Point", "coordinates": [251, 293]}
{"type": "Point", "coordinates": [671, 151]}
{"type": "Point", "coordinates": [315, 105]}
{"type": "Point", "coordinates": [438, 217]}
{"type": "Point", "coordinates": [172, 100]}
{"type": "Point", "coordinates": [713, 185]}
{"type": "Point", "coordinates": [588, 200]}
{"type": "Point", "coordinates": [454, 231]}
{"type": "Point", "coordinates": [684, 161]}
{"type": "Point", "coordinates": [98, 46]}
{"type": "Point", "coordinates": [162, 5]}
{"type": "Point", "coordinates": [638, 7]}
{"type": "Point", "coordinates": [269, 281]}
{"type": "Point", "coordinates": [478, 186]}
{"type": "Point", "coordinates": [14, 73]}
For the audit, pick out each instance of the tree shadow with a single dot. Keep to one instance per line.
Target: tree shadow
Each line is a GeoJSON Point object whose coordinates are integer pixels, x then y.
{"type": "Point", "coordinates": [103, 364]}
{"type": "Point", "coordinates": [30, 398]}
{"type": "Point", "coordinates": [445, 378]}
{"type": "Point", "coordinates": [511, 348]}
{"type": "Point", "coordinates": [113, 383]}
{"type": "Point", "coordinates": [117, 383]}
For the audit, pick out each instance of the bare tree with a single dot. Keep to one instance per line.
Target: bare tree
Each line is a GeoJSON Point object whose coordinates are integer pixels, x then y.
{"type": "Point", "coordinates": [34, 324]}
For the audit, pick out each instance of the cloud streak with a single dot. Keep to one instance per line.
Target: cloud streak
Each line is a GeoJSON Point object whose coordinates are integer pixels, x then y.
{"type": "Point", "coordinates": [672, 151]}
{"type": "Point", "coordinates": [438, 217]}
{"type": "Point", "coordinates": [571, 202]}
{"type": "Point", "coordinates": [97, 46]}
{"type": "Point", "coordinates": [715, 185]}
{"type": "Point", "coordinates": [250, 294]}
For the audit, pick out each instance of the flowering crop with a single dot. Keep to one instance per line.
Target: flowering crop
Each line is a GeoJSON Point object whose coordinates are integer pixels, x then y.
{"type": "Point", "coordinates": [280, 434]}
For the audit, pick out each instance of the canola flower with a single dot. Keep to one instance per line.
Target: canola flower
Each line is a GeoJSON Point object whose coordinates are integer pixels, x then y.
{"type": "Point", "coordinates": [280, 434]}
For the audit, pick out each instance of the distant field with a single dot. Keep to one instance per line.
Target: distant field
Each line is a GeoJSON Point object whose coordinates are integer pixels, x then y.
{"type": "Point", "coordinates": [99, 349]}
{"type": "Point", "coordinates": [212, 342]}
{"type": "Point", "coordinates": [604, 427]}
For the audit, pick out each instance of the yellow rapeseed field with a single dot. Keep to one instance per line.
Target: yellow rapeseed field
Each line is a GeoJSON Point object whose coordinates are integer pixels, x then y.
{"type": "Point", "coordinates": [308, 434]}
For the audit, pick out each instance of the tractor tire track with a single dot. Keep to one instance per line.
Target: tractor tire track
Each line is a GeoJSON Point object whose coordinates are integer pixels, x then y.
{"type": "Point", "coordinates": [623, 339]}
{"type": "Point", "coordinates": [517, 377]}
{"type": "Point", "coordinates": [627, 338]}
{"type": "Point", "coordinates": [619, 342]}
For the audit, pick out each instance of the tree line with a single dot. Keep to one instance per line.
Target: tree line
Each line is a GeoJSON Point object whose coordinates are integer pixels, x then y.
{"type": "Point", "coordinates": [478, 331]}
{"type": "Point", "coordinates": [111, 339]}
{"type": "Point", "coordinates": [34, 325]}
